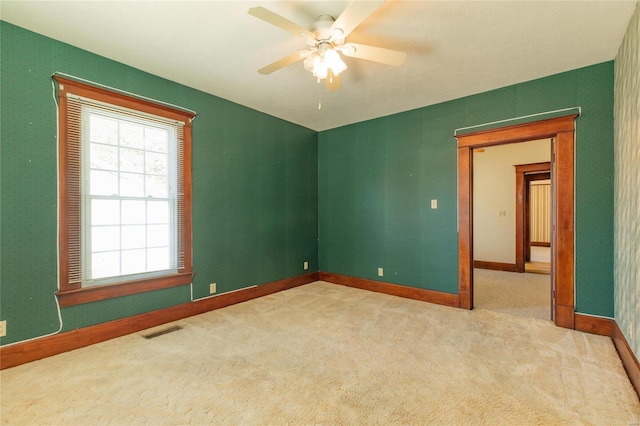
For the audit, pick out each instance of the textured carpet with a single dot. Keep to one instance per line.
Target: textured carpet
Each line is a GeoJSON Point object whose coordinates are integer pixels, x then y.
{"type": "Point", "coordinates": [513, 293]}
{"type": "Point", "coordinates": [327, 354]}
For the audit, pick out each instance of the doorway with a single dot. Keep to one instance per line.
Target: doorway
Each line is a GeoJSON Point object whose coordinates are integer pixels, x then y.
{"type": "Point", "coordinates": [562, 132]}
{"type": "Point", "coordinates": [533, 219]}
{"type": "Point", "coordinates": [504, 227]}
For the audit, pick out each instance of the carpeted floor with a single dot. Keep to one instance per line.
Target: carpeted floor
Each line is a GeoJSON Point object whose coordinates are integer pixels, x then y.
{"type": "Point", "coordinates": [328, 354]}
{"type": "Point", "coordinates": [513, 293]}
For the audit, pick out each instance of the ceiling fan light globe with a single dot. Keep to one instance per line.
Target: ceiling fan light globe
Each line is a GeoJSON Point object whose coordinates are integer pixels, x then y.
{"type": "Point", "coordinates": [337, 71]}
{"type": "Point", "coordinates": [320, 71]}
{"type": "Point", "coordinates": [334, 62]}
{"type": "Point", "coordinates": [317, 61]}
{"type": "Point", "coordinates": [308, 62]}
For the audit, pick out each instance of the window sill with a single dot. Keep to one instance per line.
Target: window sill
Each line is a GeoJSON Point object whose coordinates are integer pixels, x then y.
{"type": "Point", "coordinates": [110, 291]}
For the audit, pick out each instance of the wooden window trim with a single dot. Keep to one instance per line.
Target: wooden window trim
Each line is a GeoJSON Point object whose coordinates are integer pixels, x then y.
{"type": "Point", "coordinates": [125, 288]}
{"type": "Point", "coordinates": [72, 294]}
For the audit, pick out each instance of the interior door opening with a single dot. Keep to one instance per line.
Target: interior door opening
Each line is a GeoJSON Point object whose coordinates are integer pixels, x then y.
{"type": "Point", "coordinates": [507, 186]}
{"type": "Point", "coordinates": [537, 223]}
{"type": "Point", "coordinates": [562, 131]}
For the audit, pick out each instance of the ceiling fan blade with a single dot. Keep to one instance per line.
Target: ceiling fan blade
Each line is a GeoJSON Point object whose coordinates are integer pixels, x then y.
{"type": "Point", "coordinates": [277, 20]}
{"type": "Point", "coordinates": [287, 60]}
{"type": "Point", "coordinates": [354, 14]}
{"type": "Point", "coordinates": [375, 54]}
{"type": "Point", "coordinates": [332, 81]}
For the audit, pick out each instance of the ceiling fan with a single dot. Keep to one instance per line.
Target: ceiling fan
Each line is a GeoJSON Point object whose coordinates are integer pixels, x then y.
{"type": "Point", "coordinates": [325, 39]}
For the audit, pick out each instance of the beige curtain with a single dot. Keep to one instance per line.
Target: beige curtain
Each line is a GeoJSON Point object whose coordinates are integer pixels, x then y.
{"type": "Point", "coordinates": [540, 215]}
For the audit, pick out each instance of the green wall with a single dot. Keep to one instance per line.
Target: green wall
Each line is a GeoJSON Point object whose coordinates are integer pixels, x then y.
{"type": "Point", "coordinates": [269, 195]}
{"type": "Point", "coordinates": [254, 189]}
{"type": "Point", "coordinates": [376, 180]}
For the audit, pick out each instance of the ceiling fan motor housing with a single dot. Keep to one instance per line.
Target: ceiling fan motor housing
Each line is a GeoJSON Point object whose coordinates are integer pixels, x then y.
{"type": "Point", "coordinates": [321, 28]}
{"type": "Point", "coordinates": [325, 40]}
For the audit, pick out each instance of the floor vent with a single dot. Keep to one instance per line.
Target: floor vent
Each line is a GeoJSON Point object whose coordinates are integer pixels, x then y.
{"type": "Point", "coordinates": [162, 332]}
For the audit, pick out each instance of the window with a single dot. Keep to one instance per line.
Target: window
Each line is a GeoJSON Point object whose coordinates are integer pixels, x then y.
{"type": "Point", "coordinates": [125, 194]}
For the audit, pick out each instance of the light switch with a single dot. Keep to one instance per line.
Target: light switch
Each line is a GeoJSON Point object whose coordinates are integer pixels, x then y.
{"type": "Point", "coordinates": [434, 204]}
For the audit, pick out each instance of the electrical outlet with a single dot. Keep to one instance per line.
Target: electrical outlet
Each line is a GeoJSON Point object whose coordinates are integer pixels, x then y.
{"type": "Point", "coordinates": [212, 288]}
{"type": "Point", "coordinates": [306, 265]}
{"type": "Point", "coordinates": [3, 328]}
{"type": "Point", "coordinates": [380, 272]}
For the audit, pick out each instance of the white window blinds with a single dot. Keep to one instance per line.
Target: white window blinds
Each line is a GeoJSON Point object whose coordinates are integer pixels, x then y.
{"type": "Point", "coordinates": [126, 198]}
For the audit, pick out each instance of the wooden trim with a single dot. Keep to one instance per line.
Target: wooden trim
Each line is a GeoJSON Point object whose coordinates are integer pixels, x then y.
{"type": "Point", "coordinates": [108, 291]}
{"type": "Point", "coordinates": [533, 177]}
{"type": "Point", "coordinates": [518, 132]}
{"type": "Point", "coordinates": [21, 353]}
{"type": "Point", "coordinates": [523, 247]}
{"type": "Point", "coordinates": [594, 325]}
{"type": "Point", "coordinates": [562, 238]}
{"type": "Point", "coordinates": [629, 359]}
{"type": "Point", "coordinates": [465, 227]}
{"type": "Point", "coordinates": [561, 129]}
{"type": "Point", "coordinates": [430, 296]}
{"type": "Point", "coordinates": [533, 167]}
{"type": "Point", "coordinates": [70, 211]}
{"type": "Point", "coordinates": [540, 244]}
{"type": "Point", "coordinates": [528, 178]}
{"type": "Point", "coordinates": [122, 100]}
{"type": "Point", "coordinates": [495, 266]}
{"type": "Point", "coordinates": [564, 315]}
{"type": "Point", "coordinates": [609, 327]}
{"type": "Point", "coordinates": [186, 234]}
{"type": "Point", "coordinates": [521, 213]}
{"type": "Point", "coordinates": [63, 194]}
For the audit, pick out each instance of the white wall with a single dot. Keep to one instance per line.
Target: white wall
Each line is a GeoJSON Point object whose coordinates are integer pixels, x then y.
{"type": "Point", "coordinates": [626, 266]}
{"type": "Point", "coordinates": [494, 190]}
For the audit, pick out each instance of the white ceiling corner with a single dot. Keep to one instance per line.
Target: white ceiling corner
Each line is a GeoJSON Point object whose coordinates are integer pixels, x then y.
{"type": "Point", "coordinates": [454, 48]}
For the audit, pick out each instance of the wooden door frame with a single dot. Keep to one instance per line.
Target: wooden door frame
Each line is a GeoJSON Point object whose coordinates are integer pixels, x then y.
{"type": "Point", "coordinates": [522, 209]}
{"type": "Point", "coordinates": [562, 131]}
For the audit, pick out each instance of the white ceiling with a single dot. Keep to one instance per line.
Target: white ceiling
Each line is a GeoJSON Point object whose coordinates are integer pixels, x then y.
{"type": "Point", "coordinates": [455, 48]}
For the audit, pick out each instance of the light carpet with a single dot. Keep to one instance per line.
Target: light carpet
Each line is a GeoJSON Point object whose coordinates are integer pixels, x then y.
{"type": "Point", "coordinates": [513, 293]}
{"type": "Point", "coordinates": [328, 354]}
